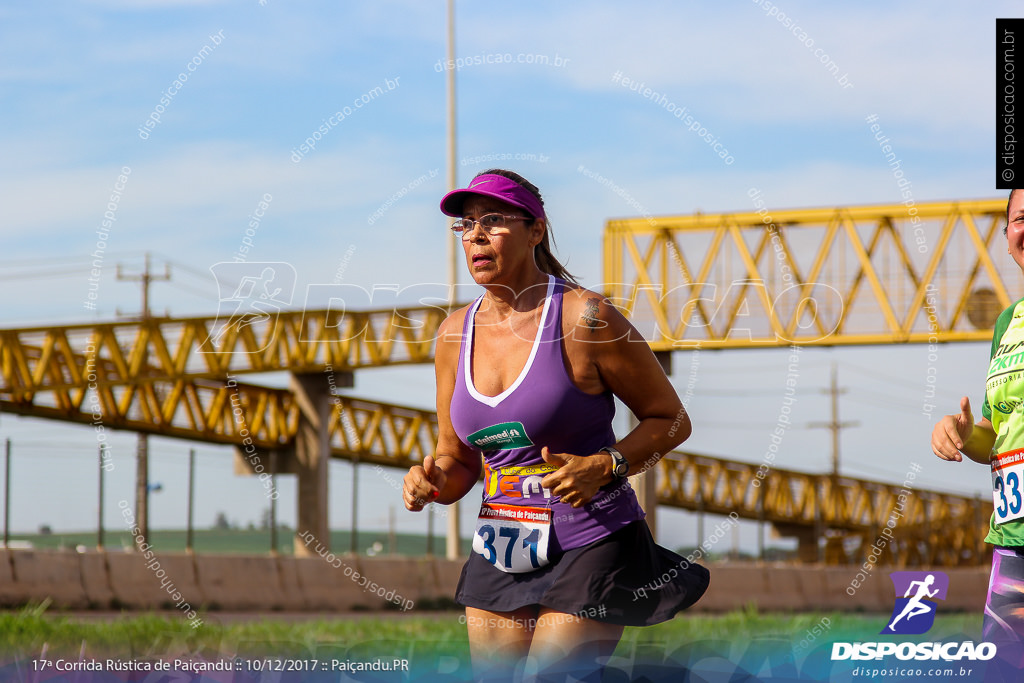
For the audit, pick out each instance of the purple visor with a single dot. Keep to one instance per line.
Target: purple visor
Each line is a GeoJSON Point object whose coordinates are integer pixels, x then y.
{"type": "Point", "coordinates": [499, 187]}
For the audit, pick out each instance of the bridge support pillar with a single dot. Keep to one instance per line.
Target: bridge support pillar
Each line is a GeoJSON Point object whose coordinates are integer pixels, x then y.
{"type": "Point", "coordinates": [312, 452]}
{"type": "Point", "coordinates": [806, 541]}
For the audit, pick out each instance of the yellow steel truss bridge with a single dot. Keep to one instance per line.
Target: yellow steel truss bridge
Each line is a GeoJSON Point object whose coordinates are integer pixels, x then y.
{"type": "Point", "coordinates": [761, 278]}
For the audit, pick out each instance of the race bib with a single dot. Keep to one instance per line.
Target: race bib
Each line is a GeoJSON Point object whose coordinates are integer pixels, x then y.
{"type": "Point", "coordinates": [1008, 486]}
{"type": "Point", "coordinates": [514, 539]}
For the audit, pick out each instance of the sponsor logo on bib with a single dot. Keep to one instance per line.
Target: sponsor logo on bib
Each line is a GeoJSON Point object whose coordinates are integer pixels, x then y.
{"type": "Point", "coordinates": [504, 436]}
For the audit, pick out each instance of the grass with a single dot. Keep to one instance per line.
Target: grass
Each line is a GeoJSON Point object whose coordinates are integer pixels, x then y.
{"type": "Point", "coordinates": [28, 631]}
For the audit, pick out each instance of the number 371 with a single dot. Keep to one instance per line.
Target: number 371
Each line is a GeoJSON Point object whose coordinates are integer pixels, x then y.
{"type": "Point", "coordinates": [512, 534]}
{"type": "Point", "coordinates": [1011, 486]}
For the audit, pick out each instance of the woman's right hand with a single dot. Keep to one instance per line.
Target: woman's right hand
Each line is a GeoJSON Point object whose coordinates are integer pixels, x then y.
{"type": "Point", "coordinates": [952, 432]}
{"type": "Point", "coordinates": [423, 484]}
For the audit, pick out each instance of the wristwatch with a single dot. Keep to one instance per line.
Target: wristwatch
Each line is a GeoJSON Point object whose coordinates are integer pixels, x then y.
{"type": "Point", "coordinates": [620, 466]}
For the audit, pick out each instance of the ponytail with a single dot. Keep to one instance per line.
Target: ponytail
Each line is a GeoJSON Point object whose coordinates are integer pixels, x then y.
{"type": "Point", "coordinates": [547, 262]}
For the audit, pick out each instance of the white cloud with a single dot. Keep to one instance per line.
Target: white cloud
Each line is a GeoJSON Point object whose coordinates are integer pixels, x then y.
{"type": "Point", "coordinates": [916, 62]}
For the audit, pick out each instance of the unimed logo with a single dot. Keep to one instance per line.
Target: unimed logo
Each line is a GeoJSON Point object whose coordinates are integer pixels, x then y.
{"type": "Point", "coordinates": [916, 593]}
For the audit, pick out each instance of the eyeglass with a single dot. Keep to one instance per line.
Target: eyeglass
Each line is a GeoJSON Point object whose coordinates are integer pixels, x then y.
{"type": "Point", "coordinates": [491, 223]}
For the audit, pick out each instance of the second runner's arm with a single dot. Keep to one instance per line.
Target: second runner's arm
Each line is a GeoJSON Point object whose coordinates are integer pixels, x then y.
{"type": "Point", "coordinates": [957, 433]}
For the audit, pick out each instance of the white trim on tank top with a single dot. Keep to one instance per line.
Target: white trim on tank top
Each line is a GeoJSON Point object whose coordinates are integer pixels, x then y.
{"type": "Point", "coordinates": [467, 364]}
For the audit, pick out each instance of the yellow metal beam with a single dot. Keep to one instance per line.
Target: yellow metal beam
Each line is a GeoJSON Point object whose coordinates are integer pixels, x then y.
{"type": "Point", "coordinates": [935, 528]}
{"type": "Point", "coordinates": [62, 358]}
{"type": "Point", "coordinates": [820, 277]}
{"type": "Point", "coordinates": [929, 526]}
{"type": "Point", "coordinates": [823, 277]}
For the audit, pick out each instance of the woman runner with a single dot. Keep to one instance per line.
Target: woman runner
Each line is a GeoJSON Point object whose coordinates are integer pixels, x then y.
{"type": "Point", "coordinates": [562, 557]}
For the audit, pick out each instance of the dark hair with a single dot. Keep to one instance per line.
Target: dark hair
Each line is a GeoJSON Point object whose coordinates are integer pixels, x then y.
{"type": "Point", "coordinates": [1009, 200]}
{"type": "Point", "coordinates": [546, 260]}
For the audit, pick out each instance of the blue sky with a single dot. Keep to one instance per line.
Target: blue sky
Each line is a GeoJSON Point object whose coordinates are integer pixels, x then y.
{"type": "Point", "coordinates": [79, 79]}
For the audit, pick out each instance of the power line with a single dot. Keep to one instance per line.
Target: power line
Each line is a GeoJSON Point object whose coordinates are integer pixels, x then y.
{"type": "Point", "coordinates": [193, 290]}
{"type": "Point", "coordinates": [883, 403]}
{"type": "Point", "coordinates": [51, 260]}
{"type": "Point", "coordinates": [48, 274]}
{"type": "Point", "coordinates": [205, 275]}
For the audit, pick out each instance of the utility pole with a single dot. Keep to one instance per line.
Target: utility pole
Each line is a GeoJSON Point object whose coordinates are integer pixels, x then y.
{"type": "Point", "coordinates": [834, 424]}
{"type": "Point", "coordinates": [142, 453]}
{"type": "Point", "coordinates": [452, 551]}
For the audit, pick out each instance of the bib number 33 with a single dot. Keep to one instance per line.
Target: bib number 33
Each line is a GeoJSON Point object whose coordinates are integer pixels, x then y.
{"type": "Point", "coordinates": [514, 539]}
{"type": "Point", "coordinates": [1008, 486]}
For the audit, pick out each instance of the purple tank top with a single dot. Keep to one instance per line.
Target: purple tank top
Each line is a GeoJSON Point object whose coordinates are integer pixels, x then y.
{"type": "Point", "coordinates": [541, 408]}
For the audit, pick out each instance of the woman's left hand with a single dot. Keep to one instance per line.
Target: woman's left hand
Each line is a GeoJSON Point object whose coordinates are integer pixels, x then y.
{"type": "Point", "coordinates": [577, 478]}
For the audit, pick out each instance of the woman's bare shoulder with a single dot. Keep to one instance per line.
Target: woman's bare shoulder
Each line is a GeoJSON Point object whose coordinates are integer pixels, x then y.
{"type": "Point", "coordinates": [589, 316]}
{"type": "Point", "coordinates": [450, 330]}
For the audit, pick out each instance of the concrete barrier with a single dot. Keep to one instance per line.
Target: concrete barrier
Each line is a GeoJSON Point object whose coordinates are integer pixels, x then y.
{"type": "Point", "coordinates": [409, 577]}
{"type": "Point", "coordinates": [288, 583]}
{"type": "Point", "coordinates": [967, 588]}
{"type": "Point", "coordinates": [239, 582]}
{"type": "Point", "coordinates": [342, 583]}
{"type": "Point", "coordinates": [133, 586]}
{"type": "Point", "coordinates": [333, 584]}
{"type": "Point", "coordinates": [96, 580]}
{"type": "Point", "coordinates": [56, 575]}
{"type": "Point", "coordinates": [10, 594]}
{"type": "Point", "coordinates": [731, 588]}
{"type": "Point", "coordinates": [446, 575]}
{"type": "Point", "coordinates": [781, 591]}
